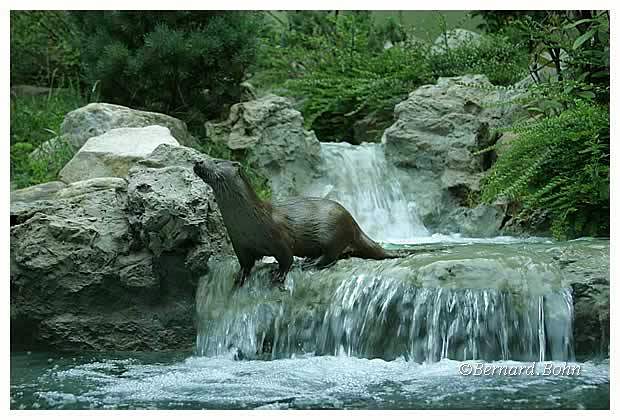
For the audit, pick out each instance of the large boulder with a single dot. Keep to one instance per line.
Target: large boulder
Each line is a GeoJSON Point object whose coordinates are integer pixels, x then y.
{"type": "Point", "coordinates": [112, 264]}
{"type": "Point", "coordinates": [455, 38]}
{"type": "Point", "coordinates": [97, 118]}
{"type": "Point", "coordinates": [439, 127]}
{"type": "Point", "coordinates": [438, 131]}
{"type": "Point", "coordinates": [271, 134]}
{"type": "Point", "coordinates": [169, 208]}
{"type": "Point", "coordinates": [112, 154]}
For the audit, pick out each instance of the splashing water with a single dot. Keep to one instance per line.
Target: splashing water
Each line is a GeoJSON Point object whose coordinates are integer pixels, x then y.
{"type": "Point", "coordinates": [159, 380]}
{"type": "Point", "coordinates": [360, 179]}
{"type": "Point", "coordinates": [458, 304]}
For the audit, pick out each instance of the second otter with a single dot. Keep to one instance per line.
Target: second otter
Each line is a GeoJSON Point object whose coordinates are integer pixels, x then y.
{"type": "Point", "coordinates": [314, 228]}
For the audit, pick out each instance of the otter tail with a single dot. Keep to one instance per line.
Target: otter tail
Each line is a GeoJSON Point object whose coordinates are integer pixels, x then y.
{"type": "Point", "coordinates": [367, 248]}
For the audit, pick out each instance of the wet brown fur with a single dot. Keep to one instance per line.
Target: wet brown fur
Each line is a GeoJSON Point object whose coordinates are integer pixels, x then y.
{"type": "Point", "coordinates": [315, 228]}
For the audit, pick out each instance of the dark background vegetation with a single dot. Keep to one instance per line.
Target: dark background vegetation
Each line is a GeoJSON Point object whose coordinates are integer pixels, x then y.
{"type": "Point", "coordinates": [336, 66]}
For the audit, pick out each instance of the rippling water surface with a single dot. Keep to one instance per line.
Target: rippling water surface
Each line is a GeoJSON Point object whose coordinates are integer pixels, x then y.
{"type": "Point", "coordinates": [175, 381]}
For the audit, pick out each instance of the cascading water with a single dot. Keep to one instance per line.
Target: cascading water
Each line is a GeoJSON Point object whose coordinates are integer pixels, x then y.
{"type": "Point", "coordinates": [455, 304]}
{"type": "Point", "coordinates": [493, 302]}
{"type": "Point", "coordinates": [498, 300]}
{"type": "Point", "coordinates": [359, 178]}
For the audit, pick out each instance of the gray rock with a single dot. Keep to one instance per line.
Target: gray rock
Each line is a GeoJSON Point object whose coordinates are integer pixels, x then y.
{"type": "Point", "coordinates": [30, 90]}
{"type": "Point", "coordinates": [170, 207]}
{"type": "Point", "coordinates": [271, 133]}
{"type": "Point", "coordinates": [439, 129]}
{"type": "Point", "coordinates": [43, 191]}
{"type": "Point", "coordinates": [97, 118]}
{"type": "Point", "coordinates": [543, 70]}
{"type": "Point", "coordinates": [65, 252]}
{"type": "Point", "coordinates": [586, 264]}
{"type": "Point", "coordinates": [480, 221]}
{"type": "Point", "coordinates": [455, 38]}
{"type": "Point", "coordinates": [114, 152]}
{"type": "Point", "coordinates": [503, 143]}
{"type": "Point", "coordinates": [169, 155]}
{"type": "Point", "coordinates": [92, 185]}
{"type": "Point", "coordinates": [53, 148]}
{"type": "Point", "coordinates": [248, 92]}
{"type": "Point", "coordinates": [110, 264]}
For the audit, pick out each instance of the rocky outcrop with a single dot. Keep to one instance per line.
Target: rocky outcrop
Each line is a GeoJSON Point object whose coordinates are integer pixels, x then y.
{"type": "Point", "coordinates": [108, 263]}
{"type": "Point", "coordinates": [97, 118]}
{"type": "Point", "coordinates": [270, 133]}
{"type": "Point", "coordinates": [170, 209]}
{"type": "Point", "coordinates": [586, 265]}
{"type": "Point", "coordinates": [43, 191]}
{"type": "Point", "coordinates": [455, 38]}
{"type": "Point", "coordinates": [112, 154]}
{"type": "Point", "coordinates": [438, 131]}
{"type": "Point", "coordinates": [481, 301]}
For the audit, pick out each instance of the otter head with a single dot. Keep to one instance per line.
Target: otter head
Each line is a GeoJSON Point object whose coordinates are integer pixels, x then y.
{"type": "Point", "coordinates": [221, 175]}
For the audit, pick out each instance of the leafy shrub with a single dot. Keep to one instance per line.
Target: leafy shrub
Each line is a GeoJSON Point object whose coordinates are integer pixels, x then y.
{"type": "Point", "coordinates": [559, 165]}
{"type": "Point", "coordinates": [43, 52]}
{"type": "Point", "coordinates": [340, 70]}
{"type": "Point", "coordinates": [575, 43]}
{"type": "Point", "coordinates": [502, 61]}
{"type": "Point", "coordinates": [35, 120]}
{"type": "Point", "coordinates": [185, 63]}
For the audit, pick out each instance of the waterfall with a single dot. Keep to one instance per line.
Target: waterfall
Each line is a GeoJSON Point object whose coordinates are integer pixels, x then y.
{"type": "Point", "coordinates": [359, 178]}
{"type": "Point", "coordinates": [494, 301]}
{"type": "Point", "coordinates": [510, 308]}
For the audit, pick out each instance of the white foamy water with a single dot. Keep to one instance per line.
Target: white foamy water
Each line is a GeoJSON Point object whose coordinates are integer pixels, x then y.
{"type": "Point", "coordinates": [306, 382]}
{"type": "Point", "coordinates": [480, 301]}
{"type": "Point", "coordinates": [359, 178]}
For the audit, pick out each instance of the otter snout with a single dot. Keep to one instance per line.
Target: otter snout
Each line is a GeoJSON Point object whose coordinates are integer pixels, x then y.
{"type": "Point", "coordinates": [204, 170]}
{"type": "Point", "coordinates": [214, 171]}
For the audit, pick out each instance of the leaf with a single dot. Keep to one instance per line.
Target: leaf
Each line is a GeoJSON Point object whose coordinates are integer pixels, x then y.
{"type": "Point", "coordinates": [586, 95]}
{"type": "Point", "coordinates": [579, 22]}
{"type": "Point", "coordinates": [583, 38]}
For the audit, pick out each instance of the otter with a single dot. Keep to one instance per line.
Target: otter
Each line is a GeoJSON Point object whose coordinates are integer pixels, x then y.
{"type": "Point", "coordinates": [318, 229]}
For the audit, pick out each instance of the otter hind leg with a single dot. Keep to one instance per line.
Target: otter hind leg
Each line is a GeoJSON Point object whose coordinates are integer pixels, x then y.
{"type": "Point", "coordinates": [330, 256]}
{"type": "Point", "coordinates": [338, 241]}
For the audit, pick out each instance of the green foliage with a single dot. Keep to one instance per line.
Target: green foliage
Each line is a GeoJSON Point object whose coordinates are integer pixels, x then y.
{"type": "Point", "coordinates": [340, 70]}
{"type": "Point", "coordinates": [42, 48]}
{"type": "Point", "coordinates": [560, 165]}
{"type": "Point", "coordinates": [35, 120]}
{"type": "Point", "coordinates": [555, 97]}
{"type": "Point", "coordinates": [575, 43]}
{"type": "Point", "coordinates": [184, 63]}
{"type": "Point", "coordinates": [501, 60]}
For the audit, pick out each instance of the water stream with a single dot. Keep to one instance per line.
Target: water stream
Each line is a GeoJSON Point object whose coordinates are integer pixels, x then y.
{"type": "Point", "coordinates": [370, 189]}
{"type": "Point", "coordinates": [360, 334]}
